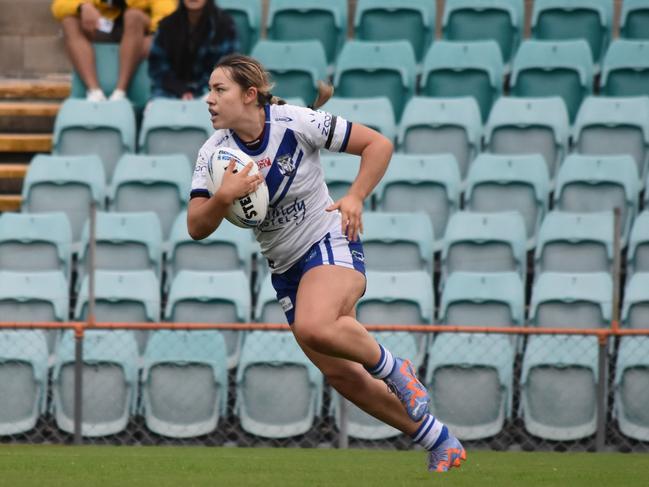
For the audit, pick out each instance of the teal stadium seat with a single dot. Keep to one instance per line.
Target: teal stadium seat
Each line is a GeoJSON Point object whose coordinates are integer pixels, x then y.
{"type": "Point", "coordinates": [470, 379]}
{"type": "Point", "coordinates": [300, 20]}
{"type": "Point", "coordinates": [475, 299]}
{"type": "Point", "coordinates": [510, 183]}
{"type": "Point", "coordinates": [35, 242]}
{"type": "Point", "coordinates": [635, 309]}
{"type": "Point", "coordinates": [184, 382]}
{"type": "Point", "coordinates": [152, 183]}
{"type": "Point", "coordinates": [442, 126]}
{"type": "Point", "coordinates": [591, 20]}
{"type": "Point", "coordinates": [460, 69]}
{"type": "Point", "coordinates": [634, 19]}
{"type": "Point", "coordinates": [295, 67]}
{"type": "Point", "coordinates": [638, 251]}
{"type": "Point", "coordinates": [375, 113]}
{"type": "Point", "coordinates": [23, 379]}
{"type": "Point", "coordinates": [175, 127]}
{"type": "Point", "coordinates": [247, 20]}
{"type": "Point", "coordinates": [425, 183]}
{"type": "Point", "coordinates": [107, 63]}
{"type": "Point", "coordinates": [106, 129]}
{"type": "Point", "coordinates": [109, 382]}
{"type": "Point", "coordinates": [559, 387]}
{"type": "Point", "coordinates": [632, 387]}
{"type": "Point", "coordinates": [484, 242]}
{"type": "Point", "coordinates": [268, 309]}
{"type": "Point", "coordinates": [212, 297]}
{"type": "Point", "coordinates": [588, 184]}
{"type": "Point", "coordinates": [614, 126]}
{"type": "Point", "coordinates": [392, 20]}
{"type": "Point", "coordinates": [67, 184]}
{"type": "Point", "coordinates": [575, 242]}
{"type": "Point", "coordinates": [577, 300]}
{"type": "Point", "coordinates": [279, 390]}
{"type": "Point", "coordinates": [124, 242]}
{"type": "Point", "coordinates": [397, 242]}
{"type": "Point", "coordinates": [340, 171]}
{"type": "Point", "coordinates": [476, 20]}
{"type": "Point", "coordinates": [529, 126]}
{"type": "Point", "coordinates": [625, 70]}
{"type": "Point", "coordinates": [369, 69]}
{"type": "Point", "coordinates": [553, 68]}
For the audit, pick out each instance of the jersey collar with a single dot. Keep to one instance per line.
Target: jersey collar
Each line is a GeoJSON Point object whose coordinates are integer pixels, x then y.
{"type": "Point", "coordinates": [264, 141]}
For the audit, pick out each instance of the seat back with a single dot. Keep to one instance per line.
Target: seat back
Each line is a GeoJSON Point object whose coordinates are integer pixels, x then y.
{"type": "Point", "coordinates": [625, 70]}
{"type": "Point", "coordinates": [246, 15]}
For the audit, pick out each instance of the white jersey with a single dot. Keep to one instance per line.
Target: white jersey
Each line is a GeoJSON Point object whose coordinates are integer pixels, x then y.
{"type": "Point", "coordinates": [289, 160]}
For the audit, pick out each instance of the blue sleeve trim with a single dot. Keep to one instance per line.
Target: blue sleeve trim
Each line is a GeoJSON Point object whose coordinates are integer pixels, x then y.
{"type": "Point", "coordinates": [199, 193]}
{"type": "Point", "coordinates": [343, 147]}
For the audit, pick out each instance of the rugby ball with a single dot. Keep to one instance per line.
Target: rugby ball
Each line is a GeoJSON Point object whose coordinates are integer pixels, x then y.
{"type": "Point", "coordinates": [250, 210]}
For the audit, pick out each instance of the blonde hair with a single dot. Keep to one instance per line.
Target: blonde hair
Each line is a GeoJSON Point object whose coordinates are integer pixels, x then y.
{"type": "Point", "coordinates": [247, 72]}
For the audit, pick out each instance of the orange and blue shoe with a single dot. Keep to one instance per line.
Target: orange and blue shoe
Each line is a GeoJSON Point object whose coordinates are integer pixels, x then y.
{"type": "Point", "coordinates": [403, 382]}
{"type": "Point", "coordinates": [447, 455]}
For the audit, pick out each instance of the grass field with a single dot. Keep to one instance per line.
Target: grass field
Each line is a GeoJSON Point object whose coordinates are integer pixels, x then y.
{"type": "Point", "coordinates": [203, 466]}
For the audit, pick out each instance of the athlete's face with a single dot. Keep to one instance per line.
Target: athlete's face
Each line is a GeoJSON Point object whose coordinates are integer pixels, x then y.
{"type": "Point", "coordinates": [227, 101]}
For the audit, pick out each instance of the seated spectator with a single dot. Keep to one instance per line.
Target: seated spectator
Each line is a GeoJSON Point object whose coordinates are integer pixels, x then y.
{"type": "Point", "coordinates": [187, 46]}
{"type": "Point", "coordinates": [131, 23]}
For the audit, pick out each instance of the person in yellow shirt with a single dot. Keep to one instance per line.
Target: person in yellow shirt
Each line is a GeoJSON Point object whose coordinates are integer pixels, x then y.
{"type": "Point", "coordinates": [131, 23]}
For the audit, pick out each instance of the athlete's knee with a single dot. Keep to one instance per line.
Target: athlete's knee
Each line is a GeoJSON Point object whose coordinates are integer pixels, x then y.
{"type": "Point", "coordinates": [314, 333]}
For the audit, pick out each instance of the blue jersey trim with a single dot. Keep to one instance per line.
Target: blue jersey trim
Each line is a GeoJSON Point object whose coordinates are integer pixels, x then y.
{"type": "Point", "coordinates": [343, 147]}
{"type": "Point", "coordinates": [290, 181]}
{"type": "Point", "coordinates": [274, 177]}
{"type": "Point", "coordinates": [199, 193]}
{"type": "Point", "coordinates": [264, 142]}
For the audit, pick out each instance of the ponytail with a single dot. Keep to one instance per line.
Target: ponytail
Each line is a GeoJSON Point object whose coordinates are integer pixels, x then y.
{"type": "Point", "coordinates": [325, 91]}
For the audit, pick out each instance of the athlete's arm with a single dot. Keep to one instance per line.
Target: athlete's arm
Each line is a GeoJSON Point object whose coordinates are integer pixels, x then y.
{"type": "Point", "coordinates": [204, 215]}
{"type": "Point", "coordinates": [375, 151]}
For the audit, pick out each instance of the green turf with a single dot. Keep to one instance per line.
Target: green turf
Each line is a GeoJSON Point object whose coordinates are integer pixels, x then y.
{"type": "Point", "coordinates": [197, 466]}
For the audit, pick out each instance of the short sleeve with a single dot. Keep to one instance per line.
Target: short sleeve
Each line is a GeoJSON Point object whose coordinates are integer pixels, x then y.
{"type": "Point", "coordinates": [199, 178]}
{"type": "Point", "coordinates": [323, 130]}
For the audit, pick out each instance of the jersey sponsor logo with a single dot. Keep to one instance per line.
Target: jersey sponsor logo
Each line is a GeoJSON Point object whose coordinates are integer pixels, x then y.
{"type": "Point", "coordinates": [279, 217]}
{"type": "Point", "coordinates": [283, 119]}
{"type": "Point", "coordinates": [286, 304]}
{"type": "Point", "coordinates": [358, 255]}
{"type": "Point", "coordinates": [221, 140]}
{"type": "Point", "coordinates": [323, 123]}
{"type": "Point", "coordinates": [286, 165]}
{"type": "Point", "coordinates": [263, 163]}
{"type": "Point", "coordinates": [247, 207]}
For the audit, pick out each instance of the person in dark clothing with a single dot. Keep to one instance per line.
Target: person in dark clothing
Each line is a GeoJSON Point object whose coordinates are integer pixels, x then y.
{"type": "Point", "coordinates": [187, 46]}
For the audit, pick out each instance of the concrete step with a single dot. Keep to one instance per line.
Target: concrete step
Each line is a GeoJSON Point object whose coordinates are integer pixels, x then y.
{"type": "Point", "coordinates": [10, 202]}
{"type": "Point", "coordinates": [29, 108]}
{"type": "Point", "coordinates": [13, 170]}
{"type": "Point", "coordinates": [37, 89]}
{"type": "Point", "coordinates": [25, 143]}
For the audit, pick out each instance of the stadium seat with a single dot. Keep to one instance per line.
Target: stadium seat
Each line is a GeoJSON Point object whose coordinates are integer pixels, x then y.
{"type": "Point", "coordinates": [124, 242]}
{"type": "Point", "coordinates": [392, 20]}
{"type": "Point", "coordinates": [184, 382]}
{"type": "Point", "coordinates": [268, 309]}
{"type": "Point", "coordinates": [588, 184]}
{"type": "Point", "coordinates": [35, 242]}
{"type": "Point", "coordinates": [470, 379]}
{"type": "Point", "coordinates": [370, 69]}
{"type": "Point", "coordinates": [631, 381]}
{"type": "Point", "coordinates": [299, 20]}
{"type": "Point", "coordinates": [23, 379]}
{"type": "Point", "coordinates": [227, 249]}
{"type": "Point", "coordinates": [461, 69]}
{"type": "Point", "coordinates": [397, 242]}
{"type": "Point", "coordinates": [638, 251]}
{"type": "Point", "coordinates": [559, 387]}
{"type": "Point", "coordinates": [175, 127]}
{"type": "Point", "coordinates": [107, 63]}
{"type": "Point", "coordinates": [625, 70]}
{"type": "Point", "coordinates": [295, 67]}
{"type": "Point", "coordinates": [375, 113]}
{"type": "Point", "coordinates": [122, 297]}
{"type": "Point", "coordinates": [429, 184]}
{"type": "Point", "coordinates": [279, 390]}
{"type": "Point", "coordinates": [247, 20]}
{"type": "Point", "coordinates": [635, 309]}
{"type": "Point", "coordinates": [442, 126]}
{"type": "Point", "coordinates": [575, 242]}
{"type": "Point", "coordinates": [212, 297]}
{"type": "Point", "coordinates": [591, 20]}
{"type": "Point", "coordinates": [529, 126]}
{"type": "Point", "coordinates": [35, 297]}
{"type": "Point", "coordinates": [577, 300]}
{"type": "Point", "coordinates": [340, 171]}
{"type": "Point", "coordinates": [474, 299]}
{"type": "Point", "coordinates": [109, 384]}
{"type": "Point", "coordinates": [634, 19]}
{"type": "Point", "coordinates": [106, 129]}
{"type": "Point", "coordinates": [67, 184]}
{"type": "Point", "coordinates": [472, 20]}
{"type": "Point", "coordinates": [152, 183]}
{"type": "Point", "coordinates": [484, 242]}
{"type": "Point", "coordinates": [611, 126]}
{"type": "Point", "coordinates": [547, 68]}
{"type": "Point", "coordinates": [510, 183]}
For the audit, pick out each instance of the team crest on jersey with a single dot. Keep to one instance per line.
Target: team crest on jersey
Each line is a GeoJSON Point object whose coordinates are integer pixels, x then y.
{"type": "Point", "coordinates": [286, 165]}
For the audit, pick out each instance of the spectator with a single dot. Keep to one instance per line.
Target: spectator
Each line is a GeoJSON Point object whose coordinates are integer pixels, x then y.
{"type": "Point", "coordinates": [129, 22]}
{"type": "Point", "coordinates": [186, 48]}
